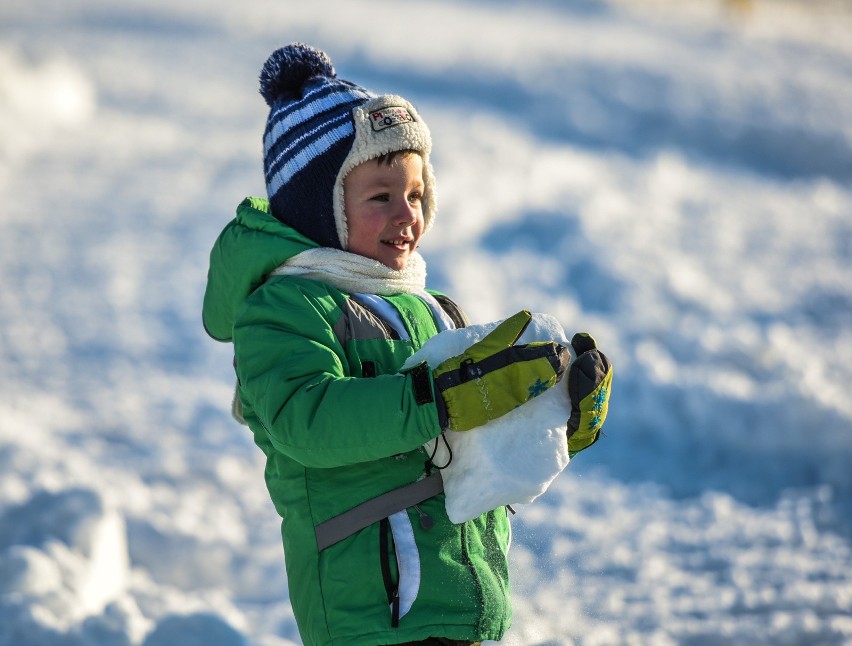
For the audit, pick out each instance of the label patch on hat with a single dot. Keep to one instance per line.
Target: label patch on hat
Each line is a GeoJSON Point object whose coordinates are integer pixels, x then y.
{"type": "Point", "coordinates": [388, 117]}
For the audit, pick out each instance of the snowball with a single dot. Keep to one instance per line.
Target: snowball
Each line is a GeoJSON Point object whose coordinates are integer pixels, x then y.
{"type": "Point", "coordinates": [510, 460]}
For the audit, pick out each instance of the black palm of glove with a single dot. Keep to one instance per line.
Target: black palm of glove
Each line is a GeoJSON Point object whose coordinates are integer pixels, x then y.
{"type": "Point", "coordinates": [589, 383]}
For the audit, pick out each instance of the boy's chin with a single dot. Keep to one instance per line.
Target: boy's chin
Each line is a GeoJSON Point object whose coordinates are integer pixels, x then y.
{"type": "Point", "coordinates": [394, 261]}
{"type": "Point", "coordinates": [398, 265]}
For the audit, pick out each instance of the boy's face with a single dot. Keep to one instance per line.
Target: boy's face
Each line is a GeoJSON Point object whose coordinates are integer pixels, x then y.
{"type": "Point", "coordinates": [383, 209]}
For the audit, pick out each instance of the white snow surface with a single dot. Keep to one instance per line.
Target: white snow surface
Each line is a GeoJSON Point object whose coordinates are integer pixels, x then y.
{"type": "Point", "coordinates": [510, 460]}
{"type": "Point", "coordinates": [673, 177]}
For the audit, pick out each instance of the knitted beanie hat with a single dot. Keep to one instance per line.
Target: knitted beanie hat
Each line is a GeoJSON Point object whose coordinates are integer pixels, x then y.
{"type": "Point", "coordinates": [319, 128]}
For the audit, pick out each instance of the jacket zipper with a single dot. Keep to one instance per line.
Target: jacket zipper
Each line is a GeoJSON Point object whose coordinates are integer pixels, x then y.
{"type": "Point", "coordinates": [387, 550]}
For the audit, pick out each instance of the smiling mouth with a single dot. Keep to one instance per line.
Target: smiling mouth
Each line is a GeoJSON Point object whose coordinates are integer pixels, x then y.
{"type": "Point", "coordinates": [398, 242]}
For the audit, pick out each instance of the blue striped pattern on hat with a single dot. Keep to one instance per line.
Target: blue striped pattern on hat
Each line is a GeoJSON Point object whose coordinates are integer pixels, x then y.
{"type": "Point", "coordinates": [326, 95]}
{"type": "Point", "coordinates": [316, 145]}
{"type": "Point", "coordinates": [299, 164]}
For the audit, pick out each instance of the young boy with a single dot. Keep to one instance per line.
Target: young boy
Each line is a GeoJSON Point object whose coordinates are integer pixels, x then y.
{"type": "Point", "coordinates": [322, 292]}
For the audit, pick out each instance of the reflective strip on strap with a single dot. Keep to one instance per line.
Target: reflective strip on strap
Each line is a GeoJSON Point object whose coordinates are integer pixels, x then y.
{"type": "Point", "coordinates": [383, 310]}
{"type": "Point", "coordinates": [442, 318]}
{"type": "Point", "coordinates": [343, 525]}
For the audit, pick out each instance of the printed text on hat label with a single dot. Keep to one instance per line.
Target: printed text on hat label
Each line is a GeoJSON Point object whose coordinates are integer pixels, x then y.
{"type": "Point", "coordinates": [391, 116]}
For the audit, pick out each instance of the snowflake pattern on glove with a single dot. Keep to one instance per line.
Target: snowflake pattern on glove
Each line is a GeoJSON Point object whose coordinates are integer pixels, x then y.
{"type": "Point", "coordinates": [600, 400]}
{"type": "Point", "coordinates": [537, 388]}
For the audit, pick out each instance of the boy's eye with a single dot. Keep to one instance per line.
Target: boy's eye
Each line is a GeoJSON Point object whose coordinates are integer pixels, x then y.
{"type": "Point", "coordinates": [381, 197]}
{"type": "Point", "coordinates": [415, 197]}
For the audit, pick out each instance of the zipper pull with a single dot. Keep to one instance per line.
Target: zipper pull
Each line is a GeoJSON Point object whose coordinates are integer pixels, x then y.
{"type": "Point", "coordinates": [395, 609]}
{"type": "Point", "coordinates": [426, 521]}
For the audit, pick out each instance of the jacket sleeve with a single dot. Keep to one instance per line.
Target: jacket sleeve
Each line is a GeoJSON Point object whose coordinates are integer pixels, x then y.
{"type": "Point", "coordinates": [293, 372]}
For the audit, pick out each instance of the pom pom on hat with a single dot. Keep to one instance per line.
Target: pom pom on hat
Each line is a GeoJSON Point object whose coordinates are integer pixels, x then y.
{"type": "Point", "coordinates": [287, 69]}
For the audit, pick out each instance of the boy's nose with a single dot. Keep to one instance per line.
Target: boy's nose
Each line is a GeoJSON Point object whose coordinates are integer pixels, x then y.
{"type": "Point", "coordinates": [405, 213]}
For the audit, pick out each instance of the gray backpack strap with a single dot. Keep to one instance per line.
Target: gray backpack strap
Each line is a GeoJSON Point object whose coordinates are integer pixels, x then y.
{"type": "Point", "coordinates": [344, 525]}
{"type": "Point", "coordinates": [453, 310]}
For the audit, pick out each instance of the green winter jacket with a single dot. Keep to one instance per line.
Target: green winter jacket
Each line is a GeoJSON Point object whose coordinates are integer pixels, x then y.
{"type": "Point", "coordinates": [320, 389]}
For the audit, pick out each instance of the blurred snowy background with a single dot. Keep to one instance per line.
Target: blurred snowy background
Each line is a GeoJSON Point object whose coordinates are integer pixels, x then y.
{"type": "Point", "coordinates": [675, 178]}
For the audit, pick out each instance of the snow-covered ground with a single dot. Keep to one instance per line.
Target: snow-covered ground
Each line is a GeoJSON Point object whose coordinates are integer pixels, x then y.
{"type": "Point", "coordinates": [675, 179]}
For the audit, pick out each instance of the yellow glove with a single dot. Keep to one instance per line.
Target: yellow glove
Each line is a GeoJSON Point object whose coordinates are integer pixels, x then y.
{"type": "Point", "coordinates": [589, 384]}
{"type": "Point", "coordinates": [494, 375]}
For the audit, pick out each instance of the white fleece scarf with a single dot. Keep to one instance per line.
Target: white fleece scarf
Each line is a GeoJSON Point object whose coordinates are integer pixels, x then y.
{"type": "Point", "coordinates": [352, 273]}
